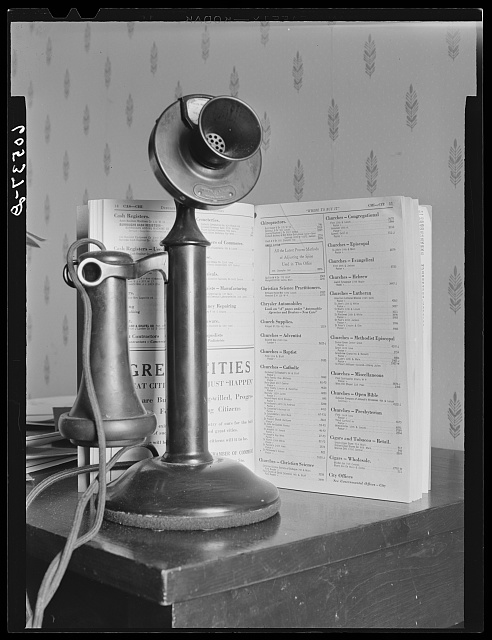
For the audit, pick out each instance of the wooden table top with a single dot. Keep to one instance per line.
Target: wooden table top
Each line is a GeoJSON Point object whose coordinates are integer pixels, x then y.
{"type": "Point", "coordinates": [311, 530]}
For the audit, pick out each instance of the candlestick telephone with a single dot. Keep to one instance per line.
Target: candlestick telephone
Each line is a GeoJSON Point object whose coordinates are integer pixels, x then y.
{"type": "Point", "coordinates": [205, 152]}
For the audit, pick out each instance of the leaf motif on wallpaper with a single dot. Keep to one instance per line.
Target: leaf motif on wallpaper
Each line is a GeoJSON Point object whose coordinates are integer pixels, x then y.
{"type": "Point", "coordinates": [66, 84]}
{"type": "Point", "coordinates": [411, 107]}
{"type": "Point", "coordinates": [298, 180]}
{"type": "Point", "coordinates": [107, 72]}
{"type": "Point", "coordinates": [65, 331]}
{"type": "Point", "coordinates": [153, 58]}
{"type": "Point", "coordinates": [333, 120]}
{"type": "Point", "coordinates": [47, 129]}
{"type": "Point", "coordinates": [47, 209]}
{"type": "Point", "coordinates": [129, 193]}
{"type": "Point", "coordinates": [49, 51]}
{"type": "Point", "coordinates": [46, 370]}
{"type": "Point", "coordinates": [86, 120]}
{"type": "Point", "coordinates": [371, 172]}
{"type": "Point", "coordinates": [85, 196]}
{"type": "Point", "coordinates": [129, 110]}
{"type": "Point", "coordinates": [46, 290]}
{"type": "Point", "coordinates": [370, 56]}
{"type": "Point", "coordinates": [298, 72]}
{"type": "Point", "coordinates": [265, 132]}
{"type": "Point", "coordinates": [30, 94]}
{"type": "Point", "coordinates": [205, 44]}
{"type": "Point", "coordinates": [87, 37]}
{"type": "Point", "coordinates": [65, 247]}
{"type": "Point", "coordinates": [66, 166]}
{"type": "Point", "coordinates": [107, 159]}
{"type": "Point", "coordinates": [453, 38]}
{"type": "Point", "coordinates": [455, 416]}
{"type": "Point", "coordinates": [455, 291]}
{"type": "Point", "coordinates": [234, 83]}
{"type": "Point", "coordinates": [264, 29]}
{"type": "Point", "coordinates": [455, 162]}
{"type": "Point", "coordinates": [178, 92]}
{"type": "Point", "coordinates": [130, 26]}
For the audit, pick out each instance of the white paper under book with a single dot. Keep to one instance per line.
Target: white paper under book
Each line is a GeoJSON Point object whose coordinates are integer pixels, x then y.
{"type": "Point", "coordinates": [319, 337]}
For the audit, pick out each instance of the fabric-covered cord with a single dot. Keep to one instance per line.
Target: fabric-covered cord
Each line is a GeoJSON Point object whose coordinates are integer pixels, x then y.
{"type": "Point", "coordinates": [67, 473]}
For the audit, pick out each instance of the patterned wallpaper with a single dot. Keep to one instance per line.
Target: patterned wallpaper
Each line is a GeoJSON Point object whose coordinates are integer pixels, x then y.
{"type": "Point", "coordinates": [347, 110]}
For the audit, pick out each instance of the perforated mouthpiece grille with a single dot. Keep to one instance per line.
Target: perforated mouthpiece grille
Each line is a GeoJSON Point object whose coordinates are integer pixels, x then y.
{"type": "Point", "coordinates": [216, 142]}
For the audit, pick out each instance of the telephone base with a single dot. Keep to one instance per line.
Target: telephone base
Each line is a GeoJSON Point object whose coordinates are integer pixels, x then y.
{"type": "Point", "coordinates": [223, 493]}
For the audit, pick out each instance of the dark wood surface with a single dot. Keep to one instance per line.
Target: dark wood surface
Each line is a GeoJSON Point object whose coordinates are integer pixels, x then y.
{"type": "Point", "coordinates": [323, 561]}
{"type": "Point", "coordinates": [415, 585]}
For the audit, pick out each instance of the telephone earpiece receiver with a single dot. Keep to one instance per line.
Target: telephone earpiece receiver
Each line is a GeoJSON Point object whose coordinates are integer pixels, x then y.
{"type": "Point", "coordinates": [104, 275]}
{"type": "Point", "coordinates": [205, 151]}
